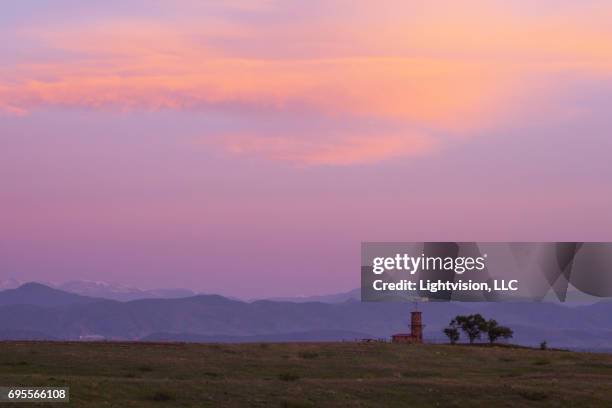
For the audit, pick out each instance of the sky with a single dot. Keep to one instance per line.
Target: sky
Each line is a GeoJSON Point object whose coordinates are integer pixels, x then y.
{"type": "Point", "coordinates": [247, 147]}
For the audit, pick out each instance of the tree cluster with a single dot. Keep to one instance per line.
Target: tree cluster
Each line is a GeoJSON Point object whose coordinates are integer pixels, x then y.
{"type": "Point", "coordinates": [474, 326]}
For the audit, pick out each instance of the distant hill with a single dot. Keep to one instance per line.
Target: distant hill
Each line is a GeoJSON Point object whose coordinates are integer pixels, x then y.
{"type": "Point", "coordinates": [308, 336]}
{"type": "Point", "coordinates": [39, 309]}
{"type": "Point", "coordinates": [24, 335]}
{"type": "Point", "coordinates": [354, 294]}
{"type": "Point", "coordinates": [36, 294]}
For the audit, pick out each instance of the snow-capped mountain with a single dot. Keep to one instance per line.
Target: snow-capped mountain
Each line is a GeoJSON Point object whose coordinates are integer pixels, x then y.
{"type": "Point", "coordinates": [10, 283]}
{"type": "Point", "coordinates": [120, 292]}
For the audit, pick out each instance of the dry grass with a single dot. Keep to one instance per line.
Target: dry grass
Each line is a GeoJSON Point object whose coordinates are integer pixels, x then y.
{"type": "Point", "coordinates": [308, 375]}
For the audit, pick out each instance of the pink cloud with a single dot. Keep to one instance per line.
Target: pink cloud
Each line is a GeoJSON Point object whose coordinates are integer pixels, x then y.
{"type": "Point", "coordinates": [450, 69]}
{"type": "Point", "coordinates": [338, 150]}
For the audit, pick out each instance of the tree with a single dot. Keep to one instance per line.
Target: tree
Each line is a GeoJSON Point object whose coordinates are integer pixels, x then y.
{"type": "Point", "coordinates": [472, 325]}
{"type": "Point", "coordinates": [495, 331]}
{"type": "Point", "coordinates": [452, 332]}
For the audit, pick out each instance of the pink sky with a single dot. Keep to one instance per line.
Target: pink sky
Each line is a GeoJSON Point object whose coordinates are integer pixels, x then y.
{"type": "Point", "coordinates": [247, 147]}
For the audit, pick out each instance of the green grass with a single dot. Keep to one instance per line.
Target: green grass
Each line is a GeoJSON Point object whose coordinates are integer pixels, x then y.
{"type": "Point", "coordinates": [308, 375]}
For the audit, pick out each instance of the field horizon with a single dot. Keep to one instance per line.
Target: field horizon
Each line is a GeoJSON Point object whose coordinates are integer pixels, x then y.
{"type": "Point", "coordinates": [308, 374]}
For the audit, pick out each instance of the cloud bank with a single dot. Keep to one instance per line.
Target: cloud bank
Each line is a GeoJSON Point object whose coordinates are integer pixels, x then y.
{"type": "Point", "coordinates": [438, 73]}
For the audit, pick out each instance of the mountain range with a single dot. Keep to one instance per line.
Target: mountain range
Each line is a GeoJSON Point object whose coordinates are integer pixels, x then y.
{"type": "Point", "coordinates": [106, 290]}
{"type": "Point", "coordinates": [37, 311]}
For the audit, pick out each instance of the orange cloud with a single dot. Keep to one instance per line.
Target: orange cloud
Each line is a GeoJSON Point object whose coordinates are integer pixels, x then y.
{"type": "Point", "coordinates": [423, 91]}
{"type": "Point", "coordinates": [341, 150]}
{"type": "Point", "coordinates": [448, 68]}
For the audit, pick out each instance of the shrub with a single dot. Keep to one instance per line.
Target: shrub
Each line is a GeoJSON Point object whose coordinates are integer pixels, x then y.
{"type": "Point", "coordinates": [533, 395]}
{"type": "Point", "coordinates": [308, 354]}
{"type": "Point", "coordinates": [145, 369]}
{"type": "Point", "coordinates": [162, 396]}
{"type": "Point", "coordinates": [295, 404]}
{"type": "Point", "coordinates": [288, 377]}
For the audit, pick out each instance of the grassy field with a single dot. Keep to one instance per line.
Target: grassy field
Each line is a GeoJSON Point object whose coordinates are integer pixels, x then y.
{"type": "Point", "coordinates": [308, 375]}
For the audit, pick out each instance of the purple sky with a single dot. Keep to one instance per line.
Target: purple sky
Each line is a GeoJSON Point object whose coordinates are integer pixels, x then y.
{"type": "Point", "coordinates": [246, 148]}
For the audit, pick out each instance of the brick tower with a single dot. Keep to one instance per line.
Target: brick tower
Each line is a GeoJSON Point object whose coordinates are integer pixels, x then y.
{"type": "Point", "coordinates": [416, 330]}
{"type": "Point", "coordinates": [416, 327]}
